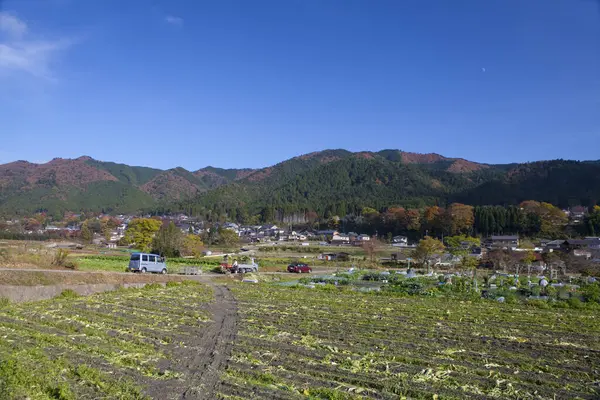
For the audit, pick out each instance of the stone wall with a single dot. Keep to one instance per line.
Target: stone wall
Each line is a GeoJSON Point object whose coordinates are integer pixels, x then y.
{"type": "Point", "coordinates": [19, 294]}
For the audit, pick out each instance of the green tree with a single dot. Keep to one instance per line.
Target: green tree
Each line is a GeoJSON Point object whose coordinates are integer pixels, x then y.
{"type": "Point", "coordinates": [228, 237]}
{"type": "Point", "coordinates": [461, 246]}
{"type": "Point", "coordinates": [141, 231]}
{"type": "Point", "coordinates": [210, 235]}
{"type": "Point", "coordinates": [593, 221]}
{"type": "Point", "coordinates": [168, 241]}
{"type": "Point", "coordinates": [427, 250]}
{"type": "Point", "coordinates": [192, 246]}
{"type": "Point", "coordinates": [86, 233]}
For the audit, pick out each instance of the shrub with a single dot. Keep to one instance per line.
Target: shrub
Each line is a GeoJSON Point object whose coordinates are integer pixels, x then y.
{"type": "Point", "coordinates": [152, 286]}
{"type": "Point", "coordinates": [4, 255]}
{"type": "Point", "coordinates": [574, 302]}
{"type": "Point", "coordinates": [217, 270]}
{"type": "Point", "coordinates": [60, 257]}
{"type": "Point", "coordinates": [190, 283]}
{"type": "Point", "coordinates": [68, 294]}
{"type": "Point", "coordinates": [551, 291]}
{"type": "Point", "coordinates": [591, 292]}
{"type": "Point", "coordinates": [172, 284]}
{"type": "Point", "coordinates": [511, 298]}
{"type": "Point", "coordinates": [4, 302]}
{"type": "Point", "coordinates": [538, 304]}
{"type": "Point", "coordinates": [560, 304]}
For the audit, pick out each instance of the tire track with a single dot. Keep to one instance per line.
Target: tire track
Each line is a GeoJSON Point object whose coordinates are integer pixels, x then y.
{"type": "Point", "coordinates": [216, 344]}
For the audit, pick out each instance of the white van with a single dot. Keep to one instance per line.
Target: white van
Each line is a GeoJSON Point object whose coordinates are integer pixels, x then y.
{"type": "Point", "coordinates": [145, 262]}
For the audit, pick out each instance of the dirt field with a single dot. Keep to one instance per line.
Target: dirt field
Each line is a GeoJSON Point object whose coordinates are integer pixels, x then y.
{"type": "Point", "coordinates": [157, 342]}
{"type": "Point", "coordinates": [331, 344]}
{"type": "Point", "coordinates": [24, 277]}
{"type": "Point", "coordinates": [234, 340]}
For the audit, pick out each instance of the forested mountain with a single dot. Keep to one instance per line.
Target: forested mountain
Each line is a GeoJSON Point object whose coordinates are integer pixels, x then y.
{"type": "Point", "coordinates": [339, 182]}
{"type": "Point", "coordinates": [330, 182]}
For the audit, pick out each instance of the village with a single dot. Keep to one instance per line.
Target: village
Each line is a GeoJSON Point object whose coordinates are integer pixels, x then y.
{"type": "Point", "coordinates": [505, 251]}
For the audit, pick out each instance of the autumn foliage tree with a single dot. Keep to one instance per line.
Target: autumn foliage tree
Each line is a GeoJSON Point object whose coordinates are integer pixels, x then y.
{"type": "Point", "coordinates": [141, 231]}
{"type": "Point", "coordinates": [228, 237]}
{"type": "Point", "coordinates": [192, 246]}
{"type": "Point", "coordinates": [552, 219]}
{"type": "Point", "coordinates": [427, 251]}
{"type": "Point", "coordinates": [459, 218]}
{"type": "Point", "coordinates": [370, 247]}
{"type": "Point", "coordinates": [432, 223]}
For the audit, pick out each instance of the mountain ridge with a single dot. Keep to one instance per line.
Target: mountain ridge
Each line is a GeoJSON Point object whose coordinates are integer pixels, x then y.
{"type": "Point", "coordinates": [315, 180]}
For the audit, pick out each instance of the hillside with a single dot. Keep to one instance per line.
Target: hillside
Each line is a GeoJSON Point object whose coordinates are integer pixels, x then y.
{"type": "Point", "coordinates": [328, 182]}
{"type": "Point", "coordinates": [85, 184]}
{"type": "Point", "coordinates": [337, 181]}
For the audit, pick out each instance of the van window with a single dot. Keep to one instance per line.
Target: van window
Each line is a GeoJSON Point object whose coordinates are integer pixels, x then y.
{"type": "Point", "coordinates": [135, 257]}
{"type": "Point", "coordinates": [144, 257]}
{"type": "Point", "coordinates": [152, 258]}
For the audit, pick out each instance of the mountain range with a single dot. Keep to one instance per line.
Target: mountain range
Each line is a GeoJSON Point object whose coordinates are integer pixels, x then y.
{"type": "Point", "coordinates": [330, 181]}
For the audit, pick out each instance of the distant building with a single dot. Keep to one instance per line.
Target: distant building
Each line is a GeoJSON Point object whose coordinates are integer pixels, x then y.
{"type": "Point", "coordinates": [340, 239]}
{"type": "Point", "coordinates": [509, 242]}
{"type": "Point", "coordinates": [400, 239]}
{"type": "Point", "coordinates": [342, 256]}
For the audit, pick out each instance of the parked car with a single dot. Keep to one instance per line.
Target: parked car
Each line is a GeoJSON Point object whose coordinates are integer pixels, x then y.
{"type": "Point", "coordinates": [144, 262]}
{"type": "Point", "coordinates": [299, 268]}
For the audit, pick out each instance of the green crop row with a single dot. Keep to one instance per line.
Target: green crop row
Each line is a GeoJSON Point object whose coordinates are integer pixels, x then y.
{"type": "Point", "coordinates": [111, 345]}
{"type": "Point", "coordinates": [340, 343]}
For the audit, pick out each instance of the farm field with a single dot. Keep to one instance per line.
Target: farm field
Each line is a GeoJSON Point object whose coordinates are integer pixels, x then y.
{"type": "Point", "coordinates": [234, 340]}
{"type": "Point", "coordinates": [119, 264]}
{"type": "Point", "coordinates": [156, 342]}
{"type": "Point", "coordinates": [299, 343]}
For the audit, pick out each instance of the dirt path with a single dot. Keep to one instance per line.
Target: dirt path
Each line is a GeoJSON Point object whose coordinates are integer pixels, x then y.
{"type": "Point", "coordinates": [202, 359]}
{"type": "Point", "coordinates": [216, 346]}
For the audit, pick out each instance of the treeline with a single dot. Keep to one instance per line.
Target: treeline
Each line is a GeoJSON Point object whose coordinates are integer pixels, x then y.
{"type": "Point", "coordinates": [345, 186]}
{"type": "Point", "coordinates": [8, 235]}
{"type": "Point", "coordinates": [530, 218]}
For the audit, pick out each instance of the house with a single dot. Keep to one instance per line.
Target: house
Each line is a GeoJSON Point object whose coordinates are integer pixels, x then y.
{"type": "Point", "coordinates": [554, 245]}
{"type": "Point", "coordinates": [580, 244]}
{"type": "Point", "coordinates": [400, 257]}
{"type": "Point", "coordinates": [340, 239]}
{"type": "Point", "coordinates": [363, 238]}
{"type": "Point", "coordinates": [577, 213]}
{"type": "Point", "coordinates": [508, 242]}
{"type": "Point", "coordinates": [327, 233]}
{"type": "Point", "coordinates": [401, 240]}
{"type": "Point", "coordinates": [326, 256]}
{"type": "Point", "coordinates": [447, 260]}
{"type": "Point", "coordinates": [334, 256]}
{"type": "Point", "coordinates": [585, 253]}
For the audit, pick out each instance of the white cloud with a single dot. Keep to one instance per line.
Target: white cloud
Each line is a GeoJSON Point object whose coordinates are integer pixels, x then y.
{"type": "Point", "coordinates": [174, 20]}
{"type": "Point", "coordinates": [12, 25]}
{"type": "Point", "coordinates": [19, 51]}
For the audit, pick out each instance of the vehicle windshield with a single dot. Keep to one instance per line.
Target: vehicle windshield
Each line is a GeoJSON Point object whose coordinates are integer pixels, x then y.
{"type": "Point", "coordinates": [135, 257]}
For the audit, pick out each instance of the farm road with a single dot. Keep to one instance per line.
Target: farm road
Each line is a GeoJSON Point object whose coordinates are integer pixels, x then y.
{"type": "Point", "coordinates": [215, 346]}
{"type": "Point", "coordinates": [205, 356]}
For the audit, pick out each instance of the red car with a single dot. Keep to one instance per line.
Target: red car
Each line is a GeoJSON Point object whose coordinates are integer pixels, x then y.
{"type": "Point", "coordinates": [299, 268]}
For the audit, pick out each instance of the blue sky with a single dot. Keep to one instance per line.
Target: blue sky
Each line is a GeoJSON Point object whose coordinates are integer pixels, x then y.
{"type": "Point", "coordinates": [251, 83]}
